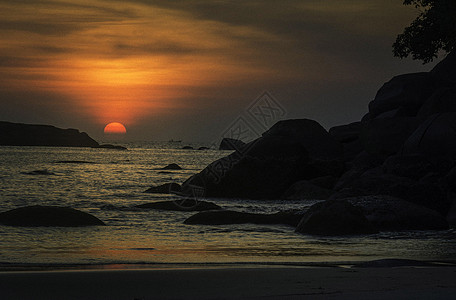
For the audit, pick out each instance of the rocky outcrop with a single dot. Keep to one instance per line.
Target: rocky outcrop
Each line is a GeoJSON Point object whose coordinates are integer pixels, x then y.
{"type": "Point", "coordinates": [181, 205]}
{"type": "Point", "coordinates": [35, 216]}
{"type": "Point", "coordinates": [404, 148]}
{"type": "Point", "coordinates": [16, 134]}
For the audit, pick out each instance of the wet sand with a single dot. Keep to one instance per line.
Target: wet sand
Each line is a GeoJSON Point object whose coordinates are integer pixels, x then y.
{"type": "Point", "coordinates": [233, 283]}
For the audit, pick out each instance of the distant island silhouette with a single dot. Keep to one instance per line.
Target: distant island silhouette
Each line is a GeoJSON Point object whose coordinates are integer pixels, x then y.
{"type": "Point", "coordinates": [18, 134]}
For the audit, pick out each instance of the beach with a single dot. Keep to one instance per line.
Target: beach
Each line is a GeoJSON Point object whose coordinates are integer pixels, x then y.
{"type": "Point", "coordinates": [233, 282]}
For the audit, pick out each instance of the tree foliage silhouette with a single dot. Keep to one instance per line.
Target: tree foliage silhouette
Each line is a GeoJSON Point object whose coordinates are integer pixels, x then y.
{"type": "Point", "coordinates": [433, 30]}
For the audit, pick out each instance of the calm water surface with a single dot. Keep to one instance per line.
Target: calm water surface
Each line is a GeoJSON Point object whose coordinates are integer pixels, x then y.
{"type": "Point", "coordinates": [108, 183]}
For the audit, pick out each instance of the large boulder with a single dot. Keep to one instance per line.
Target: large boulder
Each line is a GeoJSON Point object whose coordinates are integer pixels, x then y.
{"type": "Point", "coordinates": [37, 215]}
{"type": "Point", "coordinates": [348, 136]}
{"type": "Point", "coordinates": [17, 134]}
{"type": "Point", "coordinates": [385, 137]}
{"type": "Point", "coordinates": [334, 218]}
{"type": "Point", "coordinates": [406, 93]}
{"type": "Point", "coordinates": [290, 151]}
{"type": "Point", "coordinates": [445, 71]}
{"type": "Point", "coordinates": [305, 190]}
{"type": "Point", "coordinates": [226, 217]}
{"type": "Point", "coordinates": [442, 101]}
{"type": "Point", "coordinates": [180, 205]}
{"type": "Point", "coordinates": [414, 166]}
{"type": "Point", "coordinates": [436, 137]}
{"type": "Point", "coordinates": [388, 213]}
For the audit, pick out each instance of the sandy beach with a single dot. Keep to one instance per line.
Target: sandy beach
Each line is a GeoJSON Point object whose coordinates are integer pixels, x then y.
{"type": "Point", "coordinates": [233, 283]}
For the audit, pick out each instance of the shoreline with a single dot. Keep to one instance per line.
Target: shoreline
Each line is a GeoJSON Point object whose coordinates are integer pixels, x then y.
{"type": "Point", "coordinates": [235, 282]}
{"type": "Point", "coordinates": [129, 266]}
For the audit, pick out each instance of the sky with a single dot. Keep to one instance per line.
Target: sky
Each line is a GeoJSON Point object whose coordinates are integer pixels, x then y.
{"type": "Point", "coordinates": [189, 70]}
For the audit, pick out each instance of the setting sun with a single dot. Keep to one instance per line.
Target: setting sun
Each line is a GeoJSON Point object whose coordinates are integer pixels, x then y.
{"type": "Point", "coordinates": [115, 128]}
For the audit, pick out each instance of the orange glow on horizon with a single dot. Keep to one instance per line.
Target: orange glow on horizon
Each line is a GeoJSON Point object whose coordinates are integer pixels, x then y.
{"type": "Point", "coordinates": [115, 128]}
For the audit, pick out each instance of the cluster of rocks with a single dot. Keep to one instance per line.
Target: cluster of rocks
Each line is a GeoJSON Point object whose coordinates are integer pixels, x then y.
{"type": "Point", "coordinates": [395, 169]}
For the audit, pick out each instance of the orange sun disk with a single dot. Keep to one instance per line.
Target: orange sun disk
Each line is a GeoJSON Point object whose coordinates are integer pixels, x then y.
{"type": "Point", "coordinates": [115, 128]}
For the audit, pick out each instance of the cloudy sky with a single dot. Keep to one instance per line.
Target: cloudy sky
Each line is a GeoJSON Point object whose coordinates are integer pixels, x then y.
{"type": "Point", "coordinates": [187, 69]}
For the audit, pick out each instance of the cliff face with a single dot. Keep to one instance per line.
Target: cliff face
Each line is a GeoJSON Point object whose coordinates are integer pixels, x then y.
{"type": "Point", "coordinates": [17, 134]}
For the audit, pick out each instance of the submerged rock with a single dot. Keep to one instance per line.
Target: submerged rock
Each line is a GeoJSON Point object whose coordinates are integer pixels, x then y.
{"type": "Point", "coordinates": [334, 218]}
{"type": "Point", "coordinates": [181, 205]}
{"type": "Point", "coordinates": [226, 217]}
{"type": "Point", "coordinates": [38, 172]}
{"type": "Point", "coordinates": [37, 215]}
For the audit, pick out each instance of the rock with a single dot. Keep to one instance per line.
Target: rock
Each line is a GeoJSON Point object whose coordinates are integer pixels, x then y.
{"type": "Point", "coordinates": [385, 137]}
{"type": "Point", "coordinates": [388, 213]}
{"type": "Point", "coordinates": [362, 163]}
{"type": "Point", "coordinates": [17, 134]}
{"type": "Point", "coordinates": [442, 101]}
{"type": "Point", "coordinates": [304, 189]}
{"type": "Point", "coordinates": [404, 92]}
{"type": "Point", "coordinates": [187, 148]}
{"type": "Point", "coordinates": [326, 182]}
{"type": "Point", "coordinates": [290, 151]}
{"type": "Point", "coordinates": [172, 167]}
{"type": "Point", "coordinates": [231, 144]}
{"type": "Point", "coordinates": [436, 137]}
{"type": "Point", "coordinates": [203, 148]}
{"type": "Point", "coordinates": [34, 216]}
{"type": "Point", "coordinates": [181, 205]}
{"type": "Point", "coordinates": [109, 146]}
{"type": "Point", "coordinates": [317, 142]}
{"type": "Point", "coordinates": [167, 188]}
{"type": "Point", "coordinates": [445, 71]}
{"type": "Point", "coordinates": [226, 217]}
{"type": "Point", "coordinates": [414, 166]}
{"type": "Point", "coordinates": [334, 218]}
{"type": "Point", "coordinates": [346, 133]}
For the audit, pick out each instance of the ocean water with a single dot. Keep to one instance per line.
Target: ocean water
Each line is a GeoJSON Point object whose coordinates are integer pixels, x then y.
{"type": "Point", "coordinates": [109, 183]}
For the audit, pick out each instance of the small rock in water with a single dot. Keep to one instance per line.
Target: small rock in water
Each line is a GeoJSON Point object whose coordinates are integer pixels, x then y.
{"type": "Point", "coordinates": [172, 167]}
{"type": "Point", "coordinates": [187, 148]}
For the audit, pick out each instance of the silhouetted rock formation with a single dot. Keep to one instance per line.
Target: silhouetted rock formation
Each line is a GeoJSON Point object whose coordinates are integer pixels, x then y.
{"type": "Point", "coordinates": [35, 216]}
{"type": "Point", "coordinates": [231, 144]}
{"type": "Point", "coordinates": [187, 148]}
{"type": "Point", "coordinates": [226, 217]}
{"type": "Point", "coordinates": [181, 205]}
{"type": "Point", "coordinates": [16, 134]}
{"type": "Point", "coordinates": [404, 147]}
{"type": "Point", "coordinates": [167, 188]}
{"type": "Point", "coordinates": [172, 167]}
{"type": "Point", "coordinates": [290, 151]}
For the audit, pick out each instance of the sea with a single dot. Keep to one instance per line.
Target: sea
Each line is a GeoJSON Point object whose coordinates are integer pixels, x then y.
{"type": "Point", "coordinates": [110, 183]}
